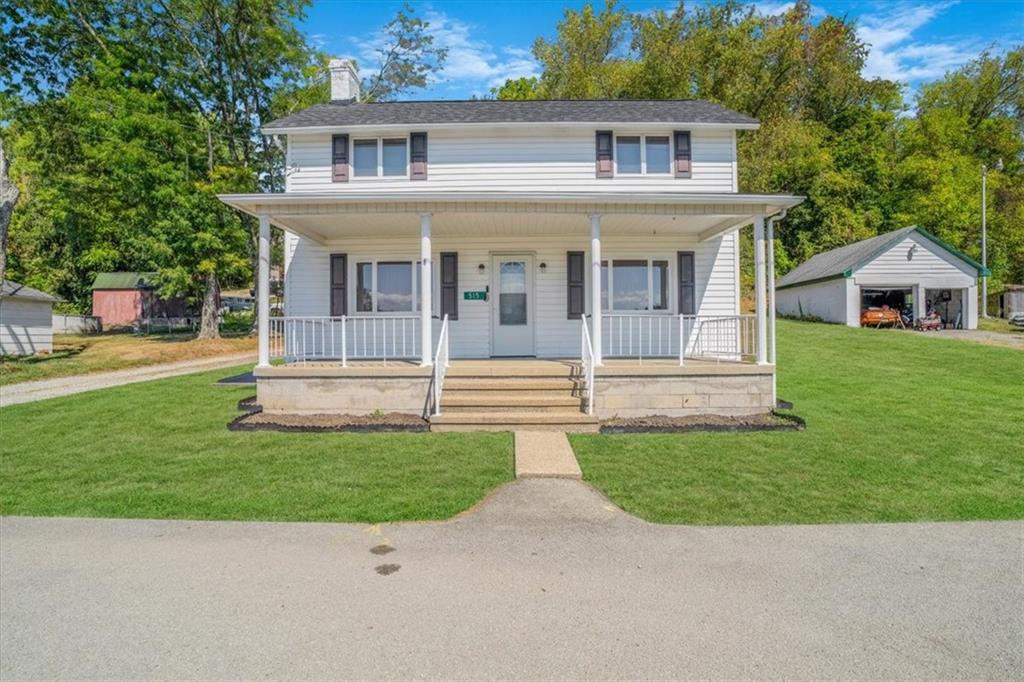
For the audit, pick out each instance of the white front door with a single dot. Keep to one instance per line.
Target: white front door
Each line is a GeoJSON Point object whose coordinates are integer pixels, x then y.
{"type": "Point", "coordinates": [512, 305]}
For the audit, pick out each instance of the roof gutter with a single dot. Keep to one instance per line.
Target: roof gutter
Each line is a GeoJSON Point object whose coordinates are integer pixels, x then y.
{"type": "Point", "coordinates": [589, 125]}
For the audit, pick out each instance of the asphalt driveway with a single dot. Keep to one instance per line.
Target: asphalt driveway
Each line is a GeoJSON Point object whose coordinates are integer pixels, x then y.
{"type": "Point", "coordinates": [544, 580]}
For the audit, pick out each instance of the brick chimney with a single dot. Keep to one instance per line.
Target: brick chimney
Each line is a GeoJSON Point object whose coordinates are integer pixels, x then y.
{"type": "Point", "coordinates": [344, 81]}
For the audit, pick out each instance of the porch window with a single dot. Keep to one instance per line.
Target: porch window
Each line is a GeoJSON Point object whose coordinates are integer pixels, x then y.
{"type": "Point", "coordinates": [643, 155]}
{"type": "Point", "coordinates": [380, 157]}
{"type": "Point", "coordinates": [635, 285]}
{"type": "Point", "coordinates": [387, 286]}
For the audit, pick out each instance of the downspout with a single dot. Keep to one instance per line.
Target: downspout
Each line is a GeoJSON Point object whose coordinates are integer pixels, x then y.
{"type": "Point", "coordinates": [771, 300]}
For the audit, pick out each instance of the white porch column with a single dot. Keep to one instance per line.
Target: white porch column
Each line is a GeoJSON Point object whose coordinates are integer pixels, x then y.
{"type": "Point", "coordinates": [426, 291]}
{"type": "Point", "coordinates": [263, 294]}
{"type": "Point", "coordinates": [595, 287]}
{"type": "Point", "coordinates": [761, 294]}
{"type": "Point", "coordinates": [919, 305]}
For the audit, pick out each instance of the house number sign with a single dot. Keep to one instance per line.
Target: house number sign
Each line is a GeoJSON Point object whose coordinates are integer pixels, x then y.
{"type": "Point", "coordinates": [474, 295]}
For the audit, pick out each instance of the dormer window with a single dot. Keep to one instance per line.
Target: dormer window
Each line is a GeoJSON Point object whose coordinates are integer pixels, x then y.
{"type": "Point", "coordinates": [643, 155]}
{"type": "Point", "coordinates": [380, 157]}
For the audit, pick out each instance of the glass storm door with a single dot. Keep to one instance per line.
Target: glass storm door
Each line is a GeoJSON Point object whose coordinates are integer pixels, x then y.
{"type": "Point", "coordinates": [512, 305]}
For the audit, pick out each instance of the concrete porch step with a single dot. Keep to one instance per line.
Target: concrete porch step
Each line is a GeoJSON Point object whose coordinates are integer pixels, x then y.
{"type": "Point", "coordinates": [509, 384]}
{"type": "Point", "coordinates": [512, 399]}
{"type": "Point", "coordinates": [573, 422]}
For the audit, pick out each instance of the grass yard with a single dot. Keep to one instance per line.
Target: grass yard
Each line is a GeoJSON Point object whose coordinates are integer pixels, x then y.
{"type": "Point", "coordinates": [84, 353]}
{"type": "Point", "coordinates": [900, 427]}
{"type": "Point", "coordinates": [160, 449]}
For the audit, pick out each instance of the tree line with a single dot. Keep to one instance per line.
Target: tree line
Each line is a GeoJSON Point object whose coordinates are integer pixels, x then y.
{"type": "Point", "coordinates": [122, 121]}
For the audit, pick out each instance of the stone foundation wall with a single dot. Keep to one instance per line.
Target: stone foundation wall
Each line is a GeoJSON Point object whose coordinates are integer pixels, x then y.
{"type": "Point", "coordinates": [682, 396]}
{"type": "Point", "coordinates": [342, 395]}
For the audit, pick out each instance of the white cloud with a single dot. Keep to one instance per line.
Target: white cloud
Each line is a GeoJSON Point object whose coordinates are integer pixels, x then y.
{"type": "Point", "coordinates": [472, 65]}
{"type": "Point", "coordinates": [895, 54]}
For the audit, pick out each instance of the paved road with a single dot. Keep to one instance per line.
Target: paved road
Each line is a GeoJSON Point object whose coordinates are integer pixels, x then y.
{"type": "Point", "coordinates": [544, 580]}
{"type": "Point", "coordinates": [31, 391]}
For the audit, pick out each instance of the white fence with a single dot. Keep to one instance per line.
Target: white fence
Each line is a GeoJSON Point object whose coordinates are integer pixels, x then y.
{"type": "Point", "coordinates": [306, 339]}
{"type": "Point", "coordinates": [76, 324]}
{"type": "Point", "coordinates": [720, 337]}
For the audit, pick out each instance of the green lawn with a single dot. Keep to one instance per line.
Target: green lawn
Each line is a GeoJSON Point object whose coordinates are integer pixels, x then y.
{"type": "Point", "coordinates": [900, 427]}
{"type": "Point", "coordinates": [160, 449]}
{"type": "Point", "coordinates": [75, 354]}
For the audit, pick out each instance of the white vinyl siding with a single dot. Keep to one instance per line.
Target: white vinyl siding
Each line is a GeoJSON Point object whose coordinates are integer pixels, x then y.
{"type": "Point", "coordinates": [824, 300]}
{"type": "Point", "coordinates": [26, 326]}
{"type": "Point", "coordinates": [307, 276]}
{"type": "Point", "coordinates": [538, 159]}
{"type": "Point", "coordinates": [931, 266]}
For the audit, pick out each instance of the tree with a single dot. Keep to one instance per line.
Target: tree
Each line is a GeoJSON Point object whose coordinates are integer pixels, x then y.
{"type": "Point", "coordinates": [406, 55]}
{"type": "Point", "coordinates": [9, 195]}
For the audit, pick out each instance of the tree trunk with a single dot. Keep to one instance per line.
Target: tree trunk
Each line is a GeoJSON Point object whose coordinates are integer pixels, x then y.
{"type": "Point", "coordinates": [209, 329]}
{"type": "Point", "coordinates": [8, 198]}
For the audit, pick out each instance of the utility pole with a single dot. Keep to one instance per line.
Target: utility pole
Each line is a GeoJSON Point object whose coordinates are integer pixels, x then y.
{"type": "Point", "coordinates": [984, 234]}
{"type": "Point", "coordinates": [984, 242]}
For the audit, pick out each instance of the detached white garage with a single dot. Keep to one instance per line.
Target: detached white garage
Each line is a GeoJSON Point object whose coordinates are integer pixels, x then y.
{"type": "Point", "coordinates": [909, 270]}
{"type": "Point", "coordinates": [26, 319]}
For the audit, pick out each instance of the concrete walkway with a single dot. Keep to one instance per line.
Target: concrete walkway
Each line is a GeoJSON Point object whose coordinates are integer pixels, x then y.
{"type": "Point", "coordinates": [31, 391]}
{"type": "Point", "coordinates": [544, 580]}
{"type": "Point", "coordinates": [545, 454]}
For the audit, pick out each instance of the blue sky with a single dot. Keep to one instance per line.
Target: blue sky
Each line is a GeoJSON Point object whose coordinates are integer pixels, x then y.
{"type": "Point", "coordinates": [912, 41]}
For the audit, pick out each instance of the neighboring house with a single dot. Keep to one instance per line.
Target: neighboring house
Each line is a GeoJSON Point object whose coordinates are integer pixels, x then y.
{"type": "Point", "coordinates": [604, 234]}
{"type": "Point", "coordinates": [908, 269]}
{"type": "Point", "coordinates": [121, 299]}
{"type": "Point", "coordinates": [25, 319]}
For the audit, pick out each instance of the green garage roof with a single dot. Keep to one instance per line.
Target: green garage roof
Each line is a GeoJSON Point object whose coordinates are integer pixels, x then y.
{"type": "Point", "coordinates": [124, 280]}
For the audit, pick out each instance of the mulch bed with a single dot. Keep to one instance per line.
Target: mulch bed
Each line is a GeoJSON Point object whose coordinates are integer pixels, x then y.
{"type": "Point", "coordinates": [775, 421]}
{"type": "Point", "coordinates": [320, 423]}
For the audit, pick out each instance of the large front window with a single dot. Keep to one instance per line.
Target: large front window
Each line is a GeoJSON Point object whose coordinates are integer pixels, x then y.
{"type": "Point", "coordinates": [387, 286]}
{"type": "Point", "coordinates": [635, 285]}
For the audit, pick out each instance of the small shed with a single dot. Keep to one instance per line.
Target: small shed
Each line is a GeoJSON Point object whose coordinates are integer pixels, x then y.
{"type": "Point", "coordinates": [1011, 300]}
{"type": "Point", "coordinates": [121, 299]}
{"type": "Point", "coordinates": [909, 270]}
{"type": "Point", "coordinates": [25, 319]}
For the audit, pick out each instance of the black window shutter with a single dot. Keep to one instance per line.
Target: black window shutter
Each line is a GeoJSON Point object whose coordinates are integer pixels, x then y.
{"type": "Point", "coordinates": [576, 284]}
{"type": "Point", "coordinates": [604, 154]}
{"type": "Point", "coordinates": [683, 155]}
{"type": "Point", "coordinates": [418, 156]}
{"type": "Point", "coordinates": [339, 281]}
{"type": "Point", "coordinates": [687, 283]}
{"type": "Point", "coordinates": [450, 285]}
{"type": "Point", "coordinates": [339, 158]}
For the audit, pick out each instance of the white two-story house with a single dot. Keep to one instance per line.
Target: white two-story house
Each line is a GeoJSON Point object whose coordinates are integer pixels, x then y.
{"type": "Point", "coordinates": [490, 263]}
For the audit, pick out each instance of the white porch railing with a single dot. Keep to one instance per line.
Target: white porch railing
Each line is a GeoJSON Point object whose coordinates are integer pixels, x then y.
{"type": "Point", "coordinates": [587, 362]}
{"type": "Point", "coordinates": [721, 337]}
{"type": "Point", "coordinates": [440, 366]}
{"type": "Point", "coordinates": [312, 339]}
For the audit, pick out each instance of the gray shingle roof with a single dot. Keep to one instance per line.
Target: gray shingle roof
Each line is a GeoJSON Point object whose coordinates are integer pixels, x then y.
{"type": "Point", "coordinates": [678, 112]}
{"type": "Point", "coordinates": [9, 289]}
{"type": "Point", "coordinates": [838, 262]}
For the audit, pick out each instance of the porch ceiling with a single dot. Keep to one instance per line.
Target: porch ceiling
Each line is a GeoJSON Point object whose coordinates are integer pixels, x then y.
{"type": "Point", "coordinates": [326, 217]}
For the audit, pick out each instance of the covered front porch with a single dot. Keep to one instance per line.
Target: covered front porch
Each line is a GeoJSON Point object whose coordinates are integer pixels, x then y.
{"type": "Point", "coordinates": [404, 289]}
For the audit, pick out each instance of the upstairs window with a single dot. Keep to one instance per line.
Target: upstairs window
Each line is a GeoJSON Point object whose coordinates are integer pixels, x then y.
{"type": "Point", "coordinates": [643, 155]}
{"type": "Point", "coordinates": [380, 157]}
